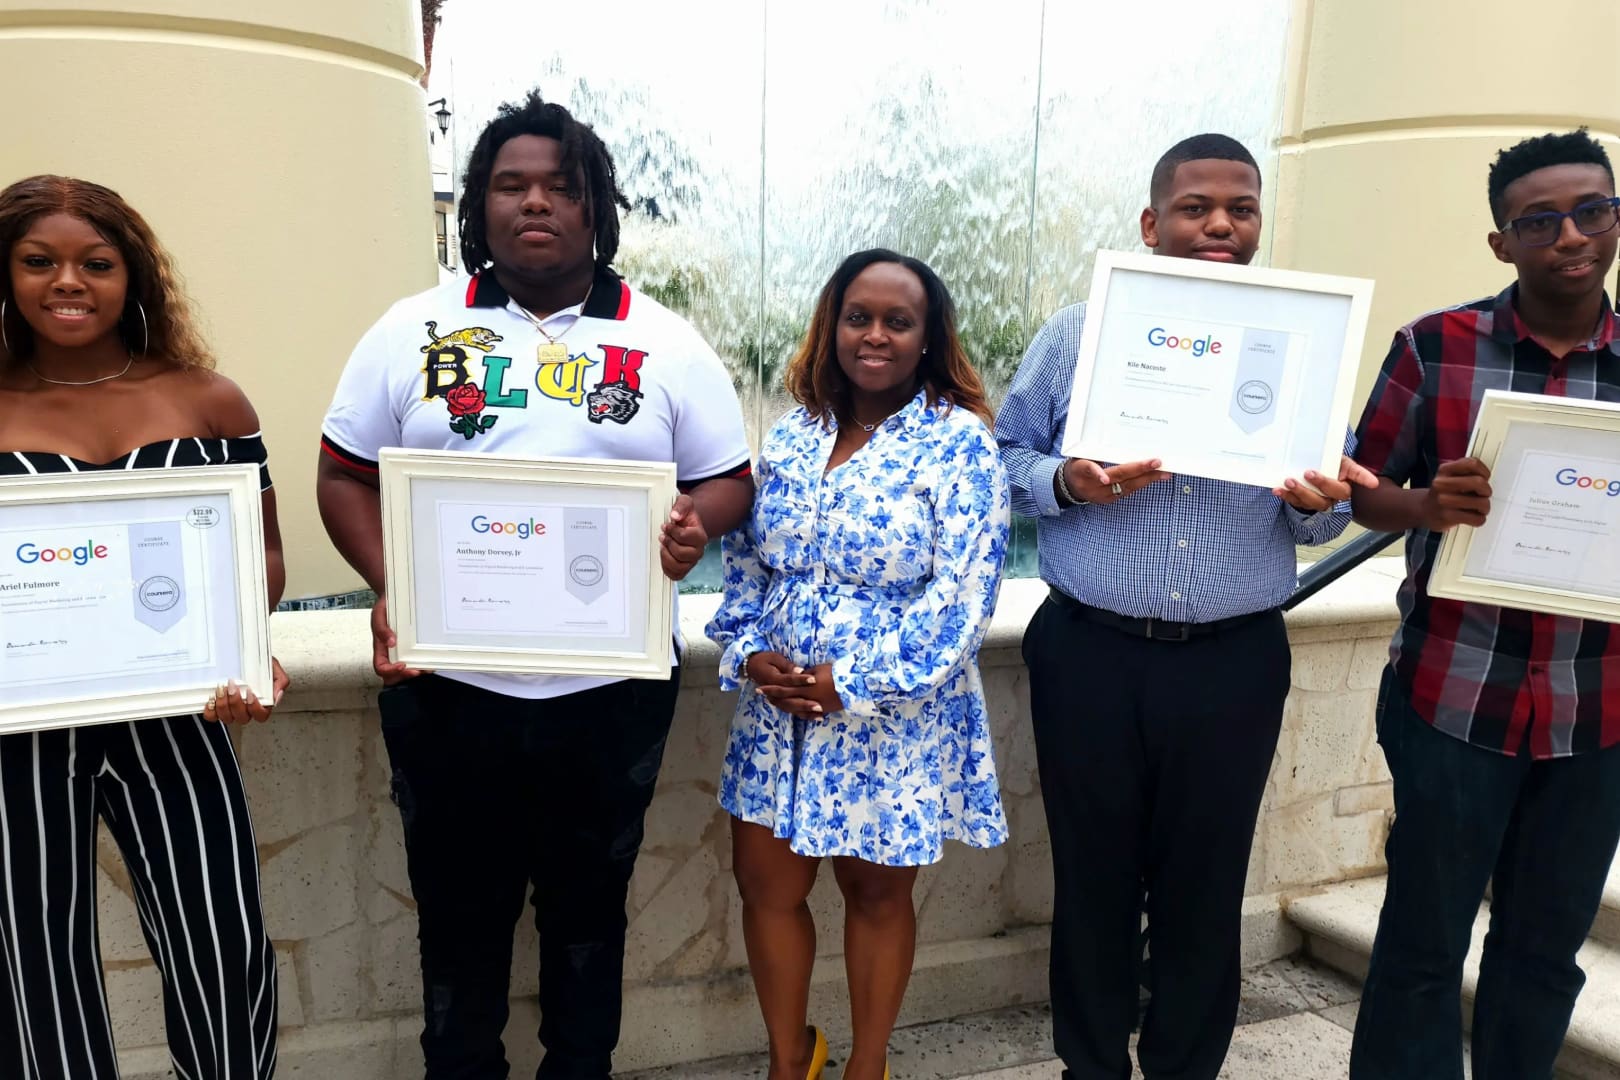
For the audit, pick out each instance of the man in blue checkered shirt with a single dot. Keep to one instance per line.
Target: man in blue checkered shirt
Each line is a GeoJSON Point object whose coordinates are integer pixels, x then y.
{"type": "Point", "coordinates": [1158, 669]}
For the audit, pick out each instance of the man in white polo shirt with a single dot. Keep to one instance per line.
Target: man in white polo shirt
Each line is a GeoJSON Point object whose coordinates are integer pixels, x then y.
{"type": "Point", "coordinates": [505, 782]}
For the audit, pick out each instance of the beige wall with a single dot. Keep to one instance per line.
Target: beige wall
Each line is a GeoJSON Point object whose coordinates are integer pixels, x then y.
{"type": "Point", "coordinates": [272, 153]}
{"type": "Point", "coordinates": [1395, 109]}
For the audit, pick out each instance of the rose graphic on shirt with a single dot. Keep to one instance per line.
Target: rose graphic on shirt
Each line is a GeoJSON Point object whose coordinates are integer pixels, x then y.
{"type": "Point", "coordinates": [466, 403]}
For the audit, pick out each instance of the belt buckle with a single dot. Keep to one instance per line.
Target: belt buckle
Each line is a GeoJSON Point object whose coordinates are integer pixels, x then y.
{"type": "Point", "coordinates": [1184, 632]}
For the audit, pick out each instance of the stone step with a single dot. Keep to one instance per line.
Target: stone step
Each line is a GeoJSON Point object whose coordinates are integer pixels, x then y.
{"type": "Point", "coordinates": [1339, 924]}
{"type": "Point", "coordinates": [1291, 1023]}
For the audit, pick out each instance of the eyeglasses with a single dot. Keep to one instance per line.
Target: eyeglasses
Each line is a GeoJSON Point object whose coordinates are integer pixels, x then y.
{"type": "Point", "coordinates": [1592, 219]}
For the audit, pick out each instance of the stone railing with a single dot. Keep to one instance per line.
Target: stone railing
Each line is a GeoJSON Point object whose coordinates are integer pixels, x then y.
{"type": "Point", "coordinates": [339, 908]}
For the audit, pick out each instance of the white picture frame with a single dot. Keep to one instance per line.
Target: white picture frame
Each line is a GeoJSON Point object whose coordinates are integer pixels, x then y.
{"type": "Point", "coordinates": [542, 606]}
{"type": "Point", "coordinates": [1238, 373]}
{"type": "Point", "coordinates": [141, 605]}
{"type": "Point", "coordinates": [1540, 532]}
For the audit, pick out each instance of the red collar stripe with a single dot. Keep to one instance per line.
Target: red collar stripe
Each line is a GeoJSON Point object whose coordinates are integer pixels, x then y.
{"type": "Point", "coordinates": [609, 296]}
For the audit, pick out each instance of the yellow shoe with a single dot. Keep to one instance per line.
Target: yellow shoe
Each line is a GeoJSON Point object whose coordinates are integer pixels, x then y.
{"type": "Point", "coordinates": [818, 1055]}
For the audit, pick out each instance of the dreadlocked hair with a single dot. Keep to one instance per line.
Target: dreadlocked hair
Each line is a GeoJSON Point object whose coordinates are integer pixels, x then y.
{"type": "Point", "coordinates": [585, 160]}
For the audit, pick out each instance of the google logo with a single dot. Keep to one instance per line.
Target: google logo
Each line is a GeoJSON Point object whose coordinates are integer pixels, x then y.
{"type": "Point", "coordinates": [520, 529]}
{"type": "Point", "coordinates": [1570, 478]}
{"type": "Point", "coordinates": [78, 556]}
{"type": "Point", "coordinates": [1197, 346]}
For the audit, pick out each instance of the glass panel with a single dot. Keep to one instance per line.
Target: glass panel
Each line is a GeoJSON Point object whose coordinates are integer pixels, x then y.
{"type": "Point", "coordinates": [909, 124]}
{"type": "Point", "coordinates": [1107, 114]}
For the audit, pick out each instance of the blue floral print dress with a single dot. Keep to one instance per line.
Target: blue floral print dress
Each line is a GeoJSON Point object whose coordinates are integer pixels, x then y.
{"type": "Point", "coordinates": [887, 568]}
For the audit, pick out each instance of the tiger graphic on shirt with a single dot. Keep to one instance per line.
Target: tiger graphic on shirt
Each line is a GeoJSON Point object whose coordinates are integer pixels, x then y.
{"type": "Point", "coordinates": [468, 398]}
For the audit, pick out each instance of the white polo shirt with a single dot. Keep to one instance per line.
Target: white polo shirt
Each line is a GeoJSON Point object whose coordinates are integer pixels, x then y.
{"type": "Point", "coordinates": [456, 368]}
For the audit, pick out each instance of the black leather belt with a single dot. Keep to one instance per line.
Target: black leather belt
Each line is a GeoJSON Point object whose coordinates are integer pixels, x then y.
{"type": "Point", "coordinates": [1151, 629]}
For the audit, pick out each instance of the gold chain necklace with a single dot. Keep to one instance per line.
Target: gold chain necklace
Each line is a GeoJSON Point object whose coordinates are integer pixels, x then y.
{"type": "Point", "coordinates": [553, 351]}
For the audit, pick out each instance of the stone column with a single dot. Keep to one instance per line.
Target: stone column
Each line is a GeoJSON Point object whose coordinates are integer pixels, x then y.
{"type": "Point", "coordinates": [279, 151]}
{"type": "Point", "coordinates": [1393, 113]}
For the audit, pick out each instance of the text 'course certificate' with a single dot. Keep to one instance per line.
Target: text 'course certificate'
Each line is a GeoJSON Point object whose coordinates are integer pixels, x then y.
{"type": "Point", "coordinates": [79, 604]}
{"type": "Point", "coordinates": [534, 569]}
{"type": "Point", "coordinates": [1551, 541]}
{"type": "Point", "coordinates": [1235, 373]}
{"type": "Point", "coordinates": [1203, 388]}
{"type": "Point", "coordinates": [503, 564]}
{"type": "Point", "coordinates": [129, 594]}
{"type": "Point", "coordinates": [1558, 526]}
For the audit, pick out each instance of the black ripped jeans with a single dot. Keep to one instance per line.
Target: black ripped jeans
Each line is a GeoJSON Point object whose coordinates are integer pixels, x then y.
{"type": "Point", "coordinates": [497, 794]}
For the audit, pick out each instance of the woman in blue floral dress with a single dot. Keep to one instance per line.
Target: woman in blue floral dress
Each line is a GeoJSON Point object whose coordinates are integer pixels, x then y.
{"type": "Point", "coordinates": [856, 598]}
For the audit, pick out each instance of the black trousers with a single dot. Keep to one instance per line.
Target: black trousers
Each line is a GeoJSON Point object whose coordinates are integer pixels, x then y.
{"type": "Point", "coordinates": [1543, 834]}
{"type": "Point", "coordinates": [1153, 759]}
{"type": "Point", "coordinates": [497, 794]}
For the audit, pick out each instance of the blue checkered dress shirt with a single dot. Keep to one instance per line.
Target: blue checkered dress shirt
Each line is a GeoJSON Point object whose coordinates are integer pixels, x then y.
{"type": "Point", "coordinates": [1183, 550]}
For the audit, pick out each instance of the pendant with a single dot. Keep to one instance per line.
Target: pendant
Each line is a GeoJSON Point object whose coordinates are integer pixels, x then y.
{"type": "Point", "coordinates": [552, 352]}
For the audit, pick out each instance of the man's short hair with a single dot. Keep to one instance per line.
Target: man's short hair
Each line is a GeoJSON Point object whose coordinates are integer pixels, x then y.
{"type": "Point", "coordinates": [1541, 152]}
{"type": "Point", "coordinates": [1209, 146]}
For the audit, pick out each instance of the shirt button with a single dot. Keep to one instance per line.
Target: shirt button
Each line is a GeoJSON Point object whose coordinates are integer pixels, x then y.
{"type": "Point", "coordinates": [1186, 489]}
{"type": "Point", "coordinates": [1175, 596]}
{"type": "Point", "coordinates": [1181, 543]}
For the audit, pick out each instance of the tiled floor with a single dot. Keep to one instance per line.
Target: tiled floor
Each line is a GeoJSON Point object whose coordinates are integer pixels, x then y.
{"type": "Point", "coordinates": [1294, 1022]}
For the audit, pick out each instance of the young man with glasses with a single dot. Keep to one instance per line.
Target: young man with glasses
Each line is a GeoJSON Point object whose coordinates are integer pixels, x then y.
{"type": "Point", "coordinates": [1500, 726]}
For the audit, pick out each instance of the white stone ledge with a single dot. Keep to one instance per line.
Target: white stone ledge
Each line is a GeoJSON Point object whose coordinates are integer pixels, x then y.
{"type": "Point", "coordinates": [328, 653]}
{"type": "Point", "coordinates": [674, 1022]}
{"type": "Point", "coordinates": [337, 895]}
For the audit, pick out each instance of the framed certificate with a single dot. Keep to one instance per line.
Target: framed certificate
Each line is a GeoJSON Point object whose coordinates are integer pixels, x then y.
{"type": "Point", "coordinates": [127, 595]}
{"type": "Point", "coordinates": [527, 565]}
{"type": "Point", "coordinates": [1552, 540]}
{"type": "Point", "coordinates": [1232, 372]}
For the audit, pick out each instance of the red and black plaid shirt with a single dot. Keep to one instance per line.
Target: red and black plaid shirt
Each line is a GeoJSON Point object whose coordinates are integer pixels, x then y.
{"type": "Point", "coordinates": [1500, 678]}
